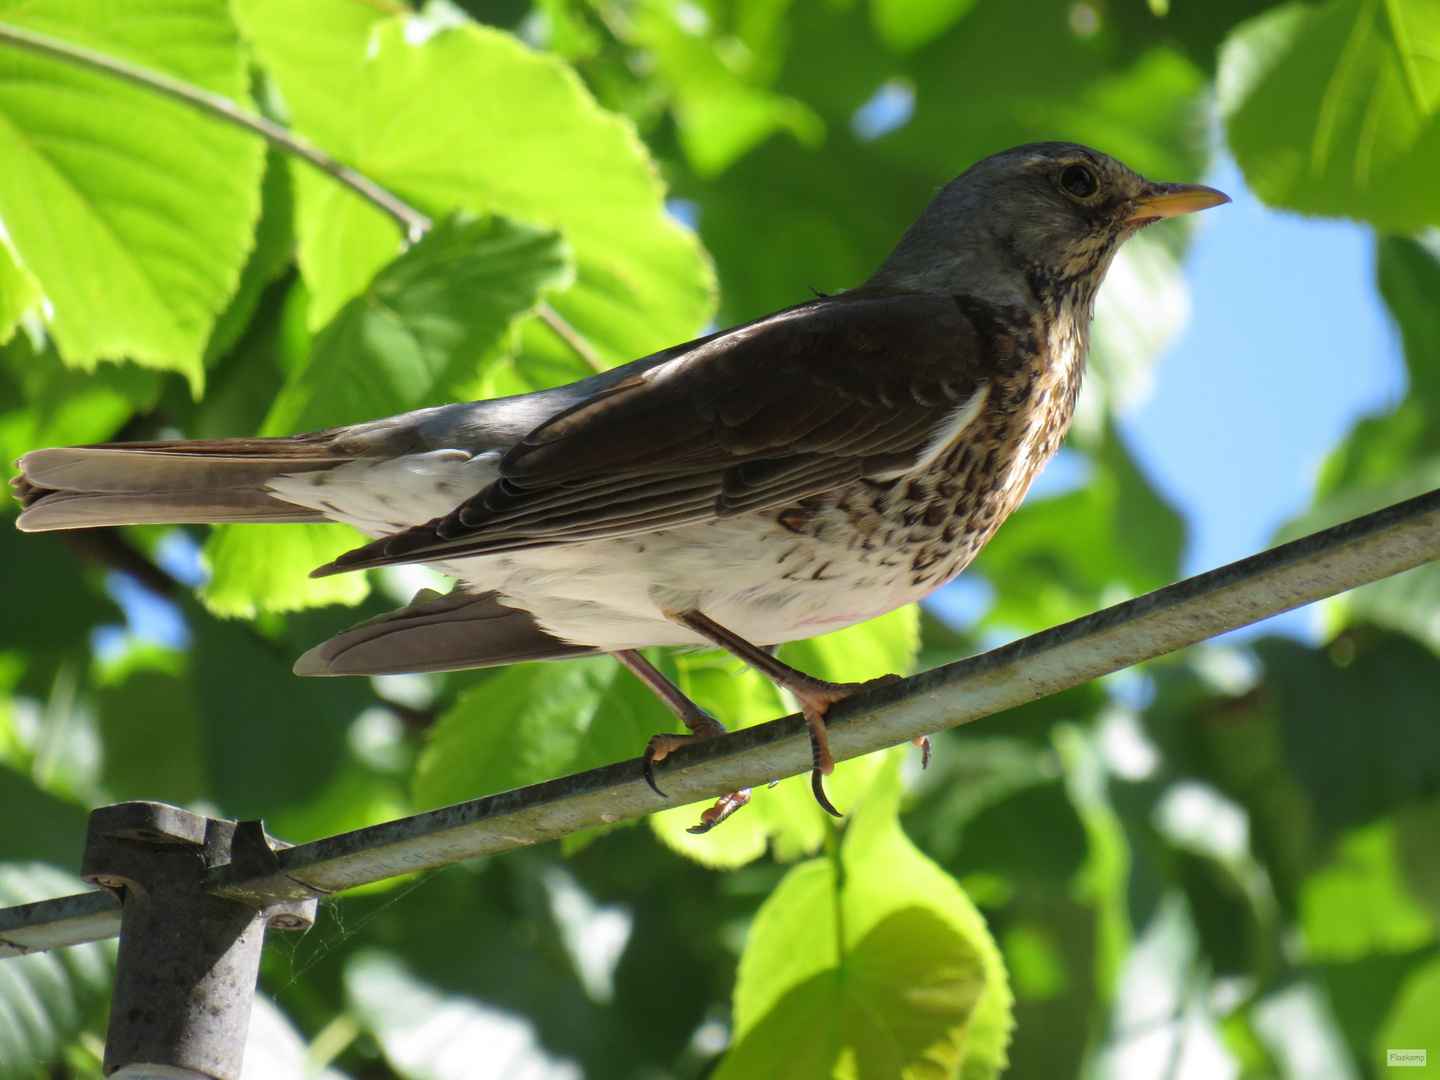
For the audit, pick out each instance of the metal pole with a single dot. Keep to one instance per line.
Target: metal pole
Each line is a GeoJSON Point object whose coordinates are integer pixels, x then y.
{"type": "Point", "coordinates": [1325, 563]}
{"type": "Point", "coordinates": [188, 961]}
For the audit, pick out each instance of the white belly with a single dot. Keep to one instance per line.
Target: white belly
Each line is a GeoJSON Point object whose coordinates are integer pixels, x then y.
{"type": "Point", "coordinates": [750, 574]}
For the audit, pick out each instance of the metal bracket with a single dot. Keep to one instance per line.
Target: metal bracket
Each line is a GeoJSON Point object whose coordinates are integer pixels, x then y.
{"type": "Point", "coordinates": [188, 962]}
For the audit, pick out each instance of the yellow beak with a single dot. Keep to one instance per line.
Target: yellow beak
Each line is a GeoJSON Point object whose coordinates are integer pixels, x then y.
{"type": "Point", "coordinates": [1172, 200]}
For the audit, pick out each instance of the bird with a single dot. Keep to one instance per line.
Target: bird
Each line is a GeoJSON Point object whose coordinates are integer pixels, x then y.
{"type": "Point", "coordinates": [790, 476]}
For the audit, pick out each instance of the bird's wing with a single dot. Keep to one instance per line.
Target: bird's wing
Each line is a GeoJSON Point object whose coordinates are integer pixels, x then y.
{"type": "Point", "coordinates": [457, 631]}
{"type": "Point", "coordinates": [861, 385]}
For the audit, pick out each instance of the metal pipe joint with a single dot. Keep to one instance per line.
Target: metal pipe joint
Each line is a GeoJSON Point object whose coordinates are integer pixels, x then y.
{"type": "Point", "coordinates": [188, 961]}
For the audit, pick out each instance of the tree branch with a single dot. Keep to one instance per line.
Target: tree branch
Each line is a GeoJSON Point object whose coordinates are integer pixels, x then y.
{"type": "Point", "coordinates": [411, 221]}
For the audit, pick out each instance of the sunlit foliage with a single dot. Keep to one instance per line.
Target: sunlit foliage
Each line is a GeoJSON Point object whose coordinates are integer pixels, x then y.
{"type": "Point", "coordinates": [1222, 865]}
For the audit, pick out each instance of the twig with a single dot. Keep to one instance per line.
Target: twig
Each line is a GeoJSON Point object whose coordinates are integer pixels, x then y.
{"type": "Point", "coordinates": [412, 221]}
{"type": "Point", "coordinates": [570, 336]}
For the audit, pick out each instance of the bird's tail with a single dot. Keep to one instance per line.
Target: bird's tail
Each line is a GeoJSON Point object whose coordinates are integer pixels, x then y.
{"type": "Point", "coordinates": [186, 482]}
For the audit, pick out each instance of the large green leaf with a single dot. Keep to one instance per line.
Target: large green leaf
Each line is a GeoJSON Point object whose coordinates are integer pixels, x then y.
{"type": "Point", "coordinates": [51, 604]}
{"type": "Point", "coordinates": [426, 320]}
{"type": "Point", "coordinates": [147, 716]}
{"type": "Point", "coordinates": [1358, 727]}
{"type": "Point", "coordinates": [1359, 903]}
{"type": "Point", "coordinates": [872, 964]}
{"type": "Point", "coordinates": [722, 105]}
{"type": "Point", "coordinates": [19, 292]}
{"type": "Point", "coordinates": [133, 212]}
{"type": "Point", "coordinates": [255, 568]}
{"type": "Point", "coordinates": [272, 740]}
{"type": "Point", "coordinates": [1414, 1020]}
{"type": "Point", "coordinates": [523, 725]}
{"type": "Point", "coordinates": [1331, 109]}
{"type": "Point", "coordinates": [45, 998]}
{"type": "Point", "coordinates": [54, 828]}
{"type": "Point", "coordinates": [464, 116]}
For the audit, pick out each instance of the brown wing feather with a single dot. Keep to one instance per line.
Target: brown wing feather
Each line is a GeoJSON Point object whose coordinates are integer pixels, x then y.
{"type": "Point", "coordinates": [438, 633]}
{"type": "Point", "coordinates": [805, 401]}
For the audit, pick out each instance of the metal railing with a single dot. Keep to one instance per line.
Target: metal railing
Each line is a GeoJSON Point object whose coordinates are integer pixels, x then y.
{"type": "Point", "coordinates": [166, 872]}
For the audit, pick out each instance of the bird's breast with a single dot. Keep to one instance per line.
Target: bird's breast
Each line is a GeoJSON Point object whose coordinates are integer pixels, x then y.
{"type": "Point", "coordinates": [938, 517]}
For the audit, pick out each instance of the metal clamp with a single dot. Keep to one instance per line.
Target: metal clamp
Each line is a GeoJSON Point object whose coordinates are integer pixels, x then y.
{"type": "Point", "coordinates": [188, 962]}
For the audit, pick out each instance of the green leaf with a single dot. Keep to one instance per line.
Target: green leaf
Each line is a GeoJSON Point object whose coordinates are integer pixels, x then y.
{"type": "Point", "coordinates": [19, 292]}
{"type": "Point", "coordinates": [722, 105]}
{"type": "Point", "coordinates": [424, 321]}
{"type": "Point", "coordinates": [272, 740]}
{"type": "Point", "coordinates": [465, 116]}
{"type": "Point", "coordinates": [874, 964]}
{"type": "Point", "coordinates": [269, 258]}
{"type": "Point", "coordinates": [520, 726]}
{"type": "Point", "coordinates": [1414, 1020]}
{"type": "Point", "coordinates": [53, 581]}
{"type": "Point", "coordinates": [1331, 109]}
{"type": "Point", "coordinates": [1359, 903]}
{"type": "Point", "coordinates": [133, 212]}
{"type": "Point", "coordinates": [256, 568]}
{"type": "Point", "coordinates": [54, 828]}
{"type": "Point", "coordinates": [1358, 727]}
{"type": "Point", "coordinates": [45, 998]}
{"type": "Point", "coordinates": [154, 742]}
{"type": "Point", "coordinates": [1408, 274]}
{"type": "Point", "coordinates": [905, 25]}
{"type": "Point", "coordinates": [1417, 842]}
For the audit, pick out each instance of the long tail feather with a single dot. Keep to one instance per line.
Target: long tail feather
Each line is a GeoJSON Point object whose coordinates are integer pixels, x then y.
{"type": "Point", "coordinates": [200, 481]}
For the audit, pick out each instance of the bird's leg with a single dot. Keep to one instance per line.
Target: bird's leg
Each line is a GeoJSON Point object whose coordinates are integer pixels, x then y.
{"type": "Point", "coordinates": [815, 695]}
{"type": "Point", "coordinates": [701, 724]}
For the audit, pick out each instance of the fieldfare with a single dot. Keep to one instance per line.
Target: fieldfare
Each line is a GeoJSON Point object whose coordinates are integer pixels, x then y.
{"type": "Point", "coordinates": [795, 475]}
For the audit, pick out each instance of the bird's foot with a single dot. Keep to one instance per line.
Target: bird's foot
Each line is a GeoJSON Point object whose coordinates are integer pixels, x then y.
{"type": "Point", "coordinates": [815, 697]}
{"type": "Point", "coordinates": [662, 746]}
{"type": "Point", "coordinates": [723, 808]}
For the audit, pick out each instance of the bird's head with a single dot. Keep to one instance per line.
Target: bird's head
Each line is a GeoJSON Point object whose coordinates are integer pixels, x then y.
{"type": "Point", "coordinates": [1039, 222]}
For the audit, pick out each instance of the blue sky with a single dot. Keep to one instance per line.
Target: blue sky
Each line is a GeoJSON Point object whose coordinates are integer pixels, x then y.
{"type": "Point", "coordinates": [1288, 345]}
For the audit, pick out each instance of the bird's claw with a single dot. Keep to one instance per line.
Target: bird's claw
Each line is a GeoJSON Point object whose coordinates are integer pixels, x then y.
{"type": "Point", "coordinates": [658, 749]}
{"type": "Point", "coordinates": [723, 808]}
{"type": "Point", "coordinates": [818, 787]}
{"type": "Point", "coordinates": [923, 742]}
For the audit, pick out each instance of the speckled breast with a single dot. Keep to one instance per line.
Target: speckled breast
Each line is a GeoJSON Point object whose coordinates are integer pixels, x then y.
{"type": "Point", "coordinates": [927, 527]}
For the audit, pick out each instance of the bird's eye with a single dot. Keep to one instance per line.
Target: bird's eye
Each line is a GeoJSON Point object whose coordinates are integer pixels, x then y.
{"type": "Point", "coordinates": [1079, 181]}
